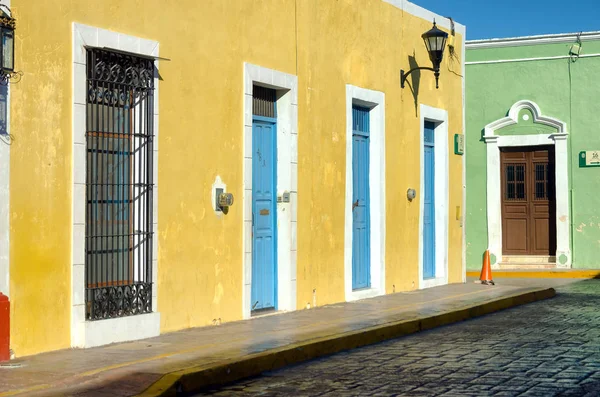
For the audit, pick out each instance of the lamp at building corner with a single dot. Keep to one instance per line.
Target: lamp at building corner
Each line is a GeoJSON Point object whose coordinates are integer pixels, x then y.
{"type": "Point", "coordinates": [435, 41]}
{"type": "Point", "coordinates": [7, 47]}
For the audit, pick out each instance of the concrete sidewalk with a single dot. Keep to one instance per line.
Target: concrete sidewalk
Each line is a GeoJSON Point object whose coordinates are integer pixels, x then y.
{"type": "Point", "coordinates": [202, 357]}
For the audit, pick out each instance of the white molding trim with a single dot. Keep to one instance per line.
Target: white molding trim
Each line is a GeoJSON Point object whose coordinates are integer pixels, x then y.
{"type": "Point", "coordinates": [494, 209]}
{"type": "Point", "coordinates": [513, 118]}
{"type": "Point", "coordinates": [287, 180]}
{"type": "Point", "coordinates": [531, 59]}
{"type": "Point", "coordinates": [463, 220]}
{"type": "Point", "coordinates": [375, 100]}
{"type": "Point", "coordinates": [532, 40]}
{"type": "Point", "coordinates": [427, 15]}
{"type": "Point", "coordinates": [441, 158]}
{"type": "Point", "coordinates": [5, 143]}
{"type": "Point", "coordinates": [101, 332]}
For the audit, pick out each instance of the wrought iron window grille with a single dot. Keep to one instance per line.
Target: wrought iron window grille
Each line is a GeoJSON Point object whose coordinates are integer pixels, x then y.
{"type": "Point", "coordinates": [7, 47]}
{"type": "Point", "coordinates": [119, 184]}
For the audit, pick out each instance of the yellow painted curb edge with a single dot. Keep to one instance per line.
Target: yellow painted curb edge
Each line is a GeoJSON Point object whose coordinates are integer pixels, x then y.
{"type": "Point", "coordinates": [540, 274]}
{"type": "Point", "coordinates": [202, 377]}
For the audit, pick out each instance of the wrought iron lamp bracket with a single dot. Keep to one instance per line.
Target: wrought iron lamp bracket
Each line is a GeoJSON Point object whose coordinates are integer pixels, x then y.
{"type": "Point", "coordinates": [7, 77]}
{"type": "Point", "coordinates": [404, 75]}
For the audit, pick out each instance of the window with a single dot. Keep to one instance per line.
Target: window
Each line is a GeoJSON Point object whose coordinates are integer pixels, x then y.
{"type": "Point", "coordinates": [542, 181]}
{"type": "Point", "coordinates": [515, 182]}
{"type": "Point", "coordinates": [119, 182]}
{"type": "Point", "coordinates": [264, 101]}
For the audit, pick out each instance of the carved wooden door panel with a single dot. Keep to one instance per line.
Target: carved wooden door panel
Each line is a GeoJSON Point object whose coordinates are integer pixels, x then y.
{"type": "Point", "coordinates": [528, 205]}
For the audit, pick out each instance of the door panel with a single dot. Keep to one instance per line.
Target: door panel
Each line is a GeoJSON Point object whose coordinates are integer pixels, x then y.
{"type": "Point", "coordinates": [429, 202]}
{"type": "Point", "coordinates": [361, 249]}
{"type": "Point", "coordinates": [516, 207]}
{"type": "Point", "coordinates": [541, 241]}
{"type": "Point", "coordinates": [528, 207]}
{"type": "Point", "coordinates": [515, 240]}
{"type": "Point", "coordinates": [264, 274]}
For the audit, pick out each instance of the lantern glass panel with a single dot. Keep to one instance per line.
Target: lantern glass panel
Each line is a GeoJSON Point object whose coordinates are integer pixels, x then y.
{"type": "Point", "coordinates": [432, 44]}
{"type": "Point", "coordinates": [440, 43]}
{"type": "Point", "coordinates": [426, 40]}
{"type": "Point", "coordinates": [7, 49]}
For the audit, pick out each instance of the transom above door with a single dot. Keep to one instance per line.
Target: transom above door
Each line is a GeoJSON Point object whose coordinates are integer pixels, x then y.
{"type": "Point", "coordinates": [528, 204]}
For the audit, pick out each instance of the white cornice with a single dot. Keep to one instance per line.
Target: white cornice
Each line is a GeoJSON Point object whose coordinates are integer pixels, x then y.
{"type": "Point", "coordinates": [423, 13]}
{"type": "Point", "coordinates": [492, 61]}
{"type": "Point", "coordinates": [532, 40]}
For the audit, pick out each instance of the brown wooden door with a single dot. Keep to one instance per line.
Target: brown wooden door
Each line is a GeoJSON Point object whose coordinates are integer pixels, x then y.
{"type": "Point", "coordinates": [528, 206]}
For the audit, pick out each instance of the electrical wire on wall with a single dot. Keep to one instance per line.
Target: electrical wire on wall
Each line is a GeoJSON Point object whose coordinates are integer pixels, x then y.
{"type": "Point", "coordinates": [454, 59]}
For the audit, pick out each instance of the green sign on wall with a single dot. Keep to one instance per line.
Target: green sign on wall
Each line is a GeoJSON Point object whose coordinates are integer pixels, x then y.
{"type": "Point", "coordinates": [459, 144]}
{"type": "Point", "coordinates": [589, 158]}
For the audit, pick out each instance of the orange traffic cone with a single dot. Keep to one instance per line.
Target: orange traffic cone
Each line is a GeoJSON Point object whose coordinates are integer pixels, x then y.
{"type": "Point", "coordinates": [486, 270]}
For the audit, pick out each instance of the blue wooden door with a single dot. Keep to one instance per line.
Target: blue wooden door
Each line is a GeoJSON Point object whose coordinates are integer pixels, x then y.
{"type": "Point", "coordinates": [264, 255]}
{"type": "Point", "coordinates": [361, 247]}
{"type": "Point", "coordinates": [429, 199]}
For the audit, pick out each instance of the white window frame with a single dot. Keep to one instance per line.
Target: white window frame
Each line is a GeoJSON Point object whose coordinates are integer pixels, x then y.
{"type": "Point", "coordinates": [441, 158]}
{"type": "Point", "coordinates": [494, 206]}
{"type": "Point", "coordinates": [374, 100]}
{"type": "Point", "coordinates": [101, 332]}
{"type": "Point", "coordinates": [287, 180]}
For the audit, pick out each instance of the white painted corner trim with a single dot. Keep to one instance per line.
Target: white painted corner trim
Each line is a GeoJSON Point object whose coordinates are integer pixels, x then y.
{"type": "Point", "coordinates": [101, 332]}
{"type": "Point", "coordinates": [5, 143]}
{"type": "Point", "coordinates": [427, 15]}
{"type": "Point", "coordinates": [375, 100]}
{"type": "Point", "coordinates": [494, 209]}
{"type": "Point", "coordinates": [287, 180]}
{"type": "Point", "coordinates": [441, 159]}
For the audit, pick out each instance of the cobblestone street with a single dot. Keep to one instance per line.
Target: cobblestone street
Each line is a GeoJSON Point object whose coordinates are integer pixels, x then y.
{"type": "Point", "coordinates": [542, 349]}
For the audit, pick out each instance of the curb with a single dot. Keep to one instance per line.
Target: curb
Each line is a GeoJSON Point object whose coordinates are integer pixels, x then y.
{"type": "Point", "coordinates": [583, 274]}
{"type": "Point", "coordinates": [201, 377]}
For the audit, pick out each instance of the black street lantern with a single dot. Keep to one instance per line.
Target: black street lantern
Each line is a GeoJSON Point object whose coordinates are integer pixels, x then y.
{"type": "Point", "coordinates": [7, 47]}
{"type": "Point", "coordinates": [435, 41]}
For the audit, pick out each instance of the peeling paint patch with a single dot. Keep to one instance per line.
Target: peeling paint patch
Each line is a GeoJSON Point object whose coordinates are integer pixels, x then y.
{"type": "Point", "coordinates": [563, 218]}
{"type": "Point", "coordinates": [218, 294]}
{"type": "Point", "coordinates": [335, 137]}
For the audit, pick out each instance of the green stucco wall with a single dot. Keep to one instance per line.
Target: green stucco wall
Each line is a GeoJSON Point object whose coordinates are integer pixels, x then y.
{"type": "Point", "coordinates": [563, 89]}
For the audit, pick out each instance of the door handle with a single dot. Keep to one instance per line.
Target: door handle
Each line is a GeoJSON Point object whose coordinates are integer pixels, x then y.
{"type": "Point", "coordinates": [354, 205]}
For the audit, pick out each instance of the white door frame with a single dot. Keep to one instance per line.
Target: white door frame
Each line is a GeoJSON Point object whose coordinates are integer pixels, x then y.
{"type": "Point", "coordinates": [375, 101]}
{"type": "Point", "coordinates": [494, 209]}
{"type": "Point", "coordinates": [441, 158]}
{"type": "Point", "coordinates": [287, 181]}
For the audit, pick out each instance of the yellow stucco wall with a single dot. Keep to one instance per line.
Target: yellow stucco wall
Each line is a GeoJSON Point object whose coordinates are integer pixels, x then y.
{"type": "Point", "coordinates": [327, 44]}
{"type": "Point", "coordinates": [366, 46]}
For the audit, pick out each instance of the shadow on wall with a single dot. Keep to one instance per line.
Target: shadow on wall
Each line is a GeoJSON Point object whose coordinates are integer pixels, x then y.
{"type": "Point", "coordinates": [415, 79]}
